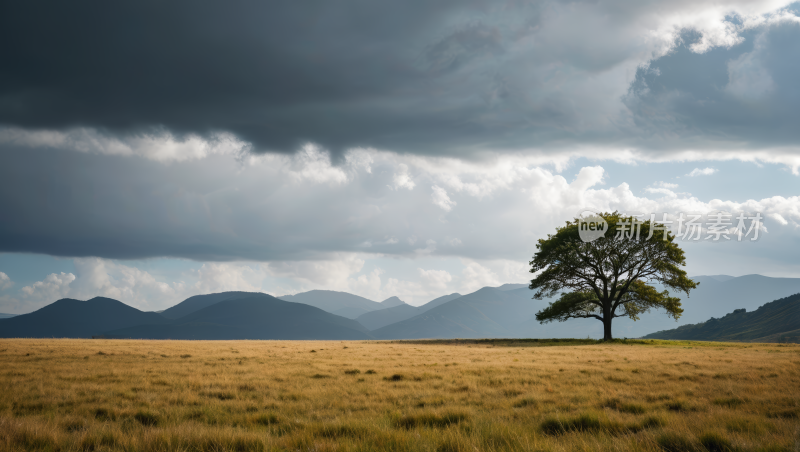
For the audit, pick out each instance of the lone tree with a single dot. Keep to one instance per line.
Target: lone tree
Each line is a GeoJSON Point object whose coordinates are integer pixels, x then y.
{"type": "Point", "coordinates": [610, 276]}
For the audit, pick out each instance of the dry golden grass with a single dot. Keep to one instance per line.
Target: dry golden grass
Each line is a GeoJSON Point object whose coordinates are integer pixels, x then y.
{"type": "Point", "coordinates": [443, 396]}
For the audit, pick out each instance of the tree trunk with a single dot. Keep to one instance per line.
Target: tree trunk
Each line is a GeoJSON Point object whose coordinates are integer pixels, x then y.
{"type": "Point", "coordinates": [607, 316]}
{"type": "Point", "coordinates": [607, 329]}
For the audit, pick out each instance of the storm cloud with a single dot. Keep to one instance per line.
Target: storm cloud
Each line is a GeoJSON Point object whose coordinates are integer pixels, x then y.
{"type": "Point", "coordinates": [432, 78]}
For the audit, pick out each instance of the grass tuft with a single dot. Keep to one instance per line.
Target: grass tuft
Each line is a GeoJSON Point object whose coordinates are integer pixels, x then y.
{"type": "Point", "coordinates": [221, 395]}
{"type": "Point", "coordinates": [98, 441]}
{"type": "Point", "coordinates": [342, 431]}
{"type": "Point", "coordinates": [74, 425]}
{"type": "Point", "coordinates": [581, 423]}
{"type": "Point", "coordinates": [453, 445]}
{"type": "Point", "coordinates": [730, 402]}
{"type": "Point", "coordinates": [522, 403]}
{"type": "Point", "coordinates": [784, 414]}
{"type": "Point", "coordinates": [430, 419]}
{"type": "Point", "coordinates": [266, 419]}
{"type": "Point", "coordinates": [673, 442]}
{"type": "Point", "coordinates": [631, 408]}
{"type": "Point", "coordinates": [147, 418]}
{"type": "Point", "coordinates": [714, 442]}
{"type": "Point", "coordinates": [104, 414]}
{"type": "Point", "coordinates": [652, 422]}
{"type": "Point", "coordinates": [680, 406]}
{"type": "Point", "coordinates": [21, 409]}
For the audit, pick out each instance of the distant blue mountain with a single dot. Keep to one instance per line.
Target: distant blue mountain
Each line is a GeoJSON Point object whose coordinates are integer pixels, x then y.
{"type": "Point", "coordinates": [252, 316]}
{"type": "Point", "coordinates": [378, 319]}
{"type": "Point", "coordinates": [506, 311]}
{"type": "Point", "coordinates": [339, 303]}
{"type": "Point", "coordinates": [77, 319]}
{"type": "Point", "coordinates": [199, 302]}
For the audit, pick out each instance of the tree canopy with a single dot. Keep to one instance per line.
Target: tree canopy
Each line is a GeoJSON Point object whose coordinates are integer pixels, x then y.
{"type": "Point", "coordinates": [611, 276]}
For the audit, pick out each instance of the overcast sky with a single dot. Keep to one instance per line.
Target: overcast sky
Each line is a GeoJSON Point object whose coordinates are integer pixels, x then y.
{"type": "Point", "coordinates": [150, 151]}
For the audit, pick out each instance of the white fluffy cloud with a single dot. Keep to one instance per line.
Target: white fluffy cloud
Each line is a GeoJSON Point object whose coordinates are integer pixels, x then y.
{"type": "Point", "coordinates": [668, 185]}
{"type": "Point", "coordinates": [160, 145]}
{"type": "Point", "coordinates": [402, 179]}
{"type": "Point", "coordinates": [139, 288]}
{"type": "Point", "coordinates": [332, 274]}
{"type": "Point", "coordinates": [435, 279]}
{"type": "Point", "coordinates": [702, 172]}
{"type": "Point", "coordinates": [213, 277]}
{"type": "Point", "coordinates": [441, 199]}
{"type": "Point", "coordinates": [5, 281]}
{"type": "Point", "coordinates": [476, 276]}
{"type": "Point", "coordinates": [311, 163]}
{"type": "Point", "coordinates": [53, 287]}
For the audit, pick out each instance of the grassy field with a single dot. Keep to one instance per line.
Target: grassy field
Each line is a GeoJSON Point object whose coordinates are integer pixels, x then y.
{"type": "Point", "coordinates": [433, 396]}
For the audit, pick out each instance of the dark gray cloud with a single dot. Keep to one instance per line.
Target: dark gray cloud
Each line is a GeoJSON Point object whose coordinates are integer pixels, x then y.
{"type": "Point", "coordinates": [74, 204]}
{"type": "Point", "coordinates": [744, 96]}
{"type": "Point", "coordinates": [276, 74]}
{"type": "Point", "coordinates": [445, 77]}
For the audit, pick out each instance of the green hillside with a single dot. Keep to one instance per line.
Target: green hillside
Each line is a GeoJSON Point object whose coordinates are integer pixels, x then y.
{"type": "Point", "coordinates": [777, 321]}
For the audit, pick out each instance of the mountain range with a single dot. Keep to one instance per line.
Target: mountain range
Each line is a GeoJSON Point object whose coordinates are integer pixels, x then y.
{"type": "Point", "coordinates": [77, 318]}
{"type": "Point", "coordinates": [382, 317]}
{"type": "Point", "coordinates": [249, 316]}
{"type": "Point", "coordinates": [501, 312]}
{"type": "Point", "coordinates": [776, 321]}
{"type": "Point", "coordinates": [714, 297]}
{"type": "Point", "coordinates": [341, 303]}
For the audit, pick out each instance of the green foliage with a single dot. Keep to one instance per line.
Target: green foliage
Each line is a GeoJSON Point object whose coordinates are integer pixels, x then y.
{"type": "Point", "coordinates": [608, 277]}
